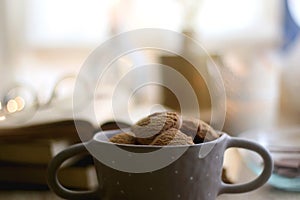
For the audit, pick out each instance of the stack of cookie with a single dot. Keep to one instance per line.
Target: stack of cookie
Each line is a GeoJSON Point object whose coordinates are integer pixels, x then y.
{"type": "Point", "coordinates": [166, 128]}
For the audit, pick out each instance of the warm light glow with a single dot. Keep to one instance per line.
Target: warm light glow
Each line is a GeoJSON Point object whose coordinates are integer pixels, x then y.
{"type": "Point", "coordinates": [48, 29]}
{"type": "Point", "coordinates": [141, 15]}
{"type": "Point", "coordinates": [2, 118]}
{"type": "Point", "coordinates": [0, 106]}
{"type": "Point", "coordinates": [220, 17]}
{"type": "Point", "coordinates": [12, 106]}
{"type": "Point", "coordinates": [20, 103]}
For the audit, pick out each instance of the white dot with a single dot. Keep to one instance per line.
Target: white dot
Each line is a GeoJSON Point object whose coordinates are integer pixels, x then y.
{"type": "Point", "coordinates": [118, 183]}
{"type": "Point", "coordinates": [207, 175]}
{"type": "Point", "coordinates": [209, 194]}
{"type": "Point", "coordinates": [178, 196]}
{"type": "Point", "coordinates": [173, 158]}
{"type": "Point", "coordinates": [176, 172]}
{"type": "Point", "coordinates": [191, 178]}
{"type": "Point", "coordinates": [151, 188]}
{"type": "Point", "coordinates": [122, 191]}
{"type": "Point", "coordinates": [217, 157]}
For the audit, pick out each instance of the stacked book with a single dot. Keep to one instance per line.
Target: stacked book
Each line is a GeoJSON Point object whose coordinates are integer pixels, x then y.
{"type": "Point", "coordinates": [26, 151]}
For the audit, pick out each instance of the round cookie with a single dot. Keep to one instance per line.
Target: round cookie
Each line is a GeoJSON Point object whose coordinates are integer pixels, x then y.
{"type": "Point", "coordinates": [123, 138]}
{"type": "Point", "coordinates": [172, 137]}
{"type": "Point", "coordinates": [198, 129]}
{"type": "Point", "coordinates": [146, 129]}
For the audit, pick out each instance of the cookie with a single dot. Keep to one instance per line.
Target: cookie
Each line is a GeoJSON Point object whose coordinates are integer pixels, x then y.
{"type": "Point", "coordinates": [146, 129]}
{"type": "Point", "coordinates": [123, 138]}
{"type": "Point", "coordinates": [198, 129]}
{"type": "Point", "coordinates": [172, 137]}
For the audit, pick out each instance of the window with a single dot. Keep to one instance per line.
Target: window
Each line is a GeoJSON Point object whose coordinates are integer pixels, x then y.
{"type": "Point", "coordinates": [61, 23]}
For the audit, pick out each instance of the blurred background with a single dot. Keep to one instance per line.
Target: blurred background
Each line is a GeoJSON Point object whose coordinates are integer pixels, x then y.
{"type": "Point", "coordinates": [43, 45]}
{"type": "Point", "coordinates": [254, 43]}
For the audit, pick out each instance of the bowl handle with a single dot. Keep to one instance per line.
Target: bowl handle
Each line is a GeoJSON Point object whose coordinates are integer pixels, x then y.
{"type": "Point", "coordinates": [261, 179]}
{"type": "Point", "coordinates": [53, 181]}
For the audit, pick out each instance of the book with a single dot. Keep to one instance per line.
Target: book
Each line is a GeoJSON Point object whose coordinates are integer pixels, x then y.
{"type": "Point", "coordinates": [39, 151]}
{"type": "Point", "coordinates": [49, 130]}
{"type": "Point", "coordinates": [26, 149]}
{"type": "Point", "coordinates": [39, 143]}
{"type": "Point", "coordinates": [76, 176]}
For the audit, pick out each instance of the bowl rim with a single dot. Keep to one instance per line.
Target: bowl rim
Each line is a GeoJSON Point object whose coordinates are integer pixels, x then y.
{"type": "Point", "coordinates": [98, 134]}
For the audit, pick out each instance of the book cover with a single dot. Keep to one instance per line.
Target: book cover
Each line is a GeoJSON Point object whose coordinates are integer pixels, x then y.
{"type": "Point", "coordinates": [80, 175]}
{"type": "Point", "coordinates": [39, 143]}
{"type": "Point", "coordinates": [38, 151]}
